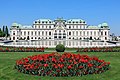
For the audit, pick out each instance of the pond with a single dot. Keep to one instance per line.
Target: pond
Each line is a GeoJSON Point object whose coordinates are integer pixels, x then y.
{"type": "Point", "coordinates": [53, 43]}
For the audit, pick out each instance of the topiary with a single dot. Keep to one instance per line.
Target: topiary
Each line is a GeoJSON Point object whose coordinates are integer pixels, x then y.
{"type": "Point", "coordinates": [60, 48]}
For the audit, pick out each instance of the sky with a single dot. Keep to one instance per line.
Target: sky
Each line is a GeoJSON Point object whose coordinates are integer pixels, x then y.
{"type": "Point", "coordinates": [93, 12]}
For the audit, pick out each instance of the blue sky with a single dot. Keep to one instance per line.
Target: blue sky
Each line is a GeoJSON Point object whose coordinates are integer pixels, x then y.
{"type": "Point", "coordinates": [92, 11]}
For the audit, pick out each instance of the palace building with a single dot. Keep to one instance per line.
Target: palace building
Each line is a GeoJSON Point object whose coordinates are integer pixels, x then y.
{"type": "Point", "coordinates": [59, 29]}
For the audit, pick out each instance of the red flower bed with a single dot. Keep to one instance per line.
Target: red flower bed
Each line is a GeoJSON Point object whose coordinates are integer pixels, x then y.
{"type": "Point", "coordinates": [67, 64]}
{"type": "Point", "coordinates": [21, 49]}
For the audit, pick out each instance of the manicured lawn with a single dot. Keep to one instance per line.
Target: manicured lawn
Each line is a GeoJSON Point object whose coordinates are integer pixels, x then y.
{"type": "Point", "coordinates": [7, 71]}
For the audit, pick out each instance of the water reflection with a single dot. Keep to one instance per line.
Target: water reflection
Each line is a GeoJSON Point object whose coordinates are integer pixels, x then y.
{"type": "Point", "coordinates": [53, 43]}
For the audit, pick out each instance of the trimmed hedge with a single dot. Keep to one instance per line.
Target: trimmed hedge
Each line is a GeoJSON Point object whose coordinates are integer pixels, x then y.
{"type": "Point", "coordinates": [60, 48]}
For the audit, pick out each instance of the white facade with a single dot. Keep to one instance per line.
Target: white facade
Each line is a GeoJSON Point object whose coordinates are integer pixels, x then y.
{"type": "Point", "coordinates": [59, 29]}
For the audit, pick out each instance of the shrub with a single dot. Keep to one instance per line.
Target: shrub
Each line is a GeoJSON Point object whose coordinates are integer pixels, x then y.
{"type": "Point", "coordinates": [60, 48]}
{"type": "Point", "coordinates": [67, 64]}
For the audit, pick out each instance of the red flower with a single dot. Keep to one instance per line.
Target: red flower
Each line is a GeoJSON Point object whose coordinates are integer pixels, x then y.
{"type": "Point", "coordinates": [90, 65]}
{"type": "Point", "coordinates": [45, 65]}
{"type": "Point", "coordinates": [80, 67]}
{"type": "Point", "coordinates": [69, 67]}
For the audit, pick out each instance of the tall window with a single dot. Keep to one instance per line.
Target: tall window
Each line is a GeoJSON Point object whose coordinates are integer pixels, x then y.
{"type": "Point", "coordinates": [35, 32]}
{"type": "Point", "coordinates": [105, 33]}
{"type": "Point", "coordinates": [87, 32]}
{"type": "Point", "coordinates": [39, 32]}
{"type": "Point", "coordinates": [91, 32]}
{"type": "Point", "coordinates": [28, 32]}
{"type": "Point", "coordinates": [94, 33]}
{"type": "Point", "coordinates": [69, 33]}
{"type": "Point", "coordinates": [80, 33]}
{"type": "Point", "coordinates": [42, 32]}
{"type": "Point", "coordinates": [69, 27]}
{"type": "Point", "coordinates": [76, 33]}
{"type": "Point", "coordinates": [32, 33]}
{"type": "Point", "coordinates": [101, 33]}
{"type": "Point", "coordinates": [46, 32]}
{"type": "Point", "coordinates": [13, 32]}
{"type": "Point", "coordinates": [49, 26]}
{"type": "Point", "coordinates": [24, 32]}
{"type": "Point", "coordinates": [49, 33]}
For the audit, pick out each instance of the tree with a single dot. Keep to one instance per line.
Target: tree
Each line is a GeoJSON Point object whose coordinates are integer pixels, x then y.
{"type": "Point", "coordinates": [6, 32]}
{"type": "Point", "coordinates": [3, 31]}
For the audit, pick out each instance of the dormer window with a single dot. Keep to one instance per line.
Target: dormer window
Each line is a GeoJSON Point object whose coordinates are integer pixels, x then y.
{"type": "Point", "coordinates": [83, 21]}
{"type": "Point", "coordinates": [35, 21]}
{"type": "Point", "coordinates": [42, 21]}
{"type": "Point", "coordinates": [77, 22]}
{"type": "Point", "coordinates": [46, 22]}
{"type": "Point", "coordinates": [39, 21]}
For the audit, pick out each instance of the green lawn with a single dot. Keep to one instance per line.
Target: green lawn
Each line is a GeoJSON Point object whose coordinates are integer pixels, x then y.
{"type": "Point", "coordinates": [7, 71]}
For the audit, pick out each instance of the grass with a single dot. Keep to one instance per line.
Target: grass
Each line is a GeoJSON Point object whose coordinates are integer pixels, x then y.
{"type": "Point", "coordinates": [7, 71]}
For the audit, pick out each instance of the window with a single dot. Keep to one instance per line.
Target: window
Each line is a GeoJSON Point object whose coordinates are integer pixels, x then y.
{"type": "Point", "coordinates": [73, 27]}
{"type": "Point", "coordinates": [77, 26]}
{"type": "Point", "coordinates": [46, 32]}
{"type": "Point", "coordinates": [76, 33]}
{"type": "Point", "coordinates": [42, 26]}
{"type": "Point", "coordinates": [35, 21]}
{"type": "Point", "coordinates": [13, 38]}
{"type": "Point", "coordinates": [69, 33]}
{"type": "Point", "coordinates": [84, 33]}
{"type": "Point", "coordinates": [95, 33]}
{"type": "Point", "coordinates": [49, 26]}
{"type": "Point", "coordinates": [31, 37]}
{"type": "Point", "coordinates": [87, 33]}
{"type": "Point", "coordinates": [24, 33]}
{"type": "Point", "coordinates": [39, 32]}
{"type": "Point", "coordinates": [28, 32]}
{"type": "Point", "coordinates": [59, 30]}
{"type": "Point", "coordinates": [64, 36]}
{"type": "Point", "coordinates": [32, 33]}
{"type": "Point", "coordinates": [35, 33]}
{"type": "Point", "coordinates": [91, 32]}
{"type": "Point", "coordinates": [35, 26]}
{"type": "Point", "coordinates": [105, 38]}
{"type": "Point", "coordinates": [73, 33]}
{"type": "Point", "coordinates": [80, 33]}
{"type": "Point", "coordinates": [101, 33]}
{"type": "Point", "coordinates": [42, 32]}
{"type": "Point", "coordinates": [69, 27]}
{"type": "Point", "coordinates": [13, 32]}
{"type": "Point", "coordinates": [49, 33]}
{"type": "Point", "coordinates": [105, 33]}
{"type": "Point", "coordinates": [55, 36]}
{"type": "Point", "coordinates": [42, 21]}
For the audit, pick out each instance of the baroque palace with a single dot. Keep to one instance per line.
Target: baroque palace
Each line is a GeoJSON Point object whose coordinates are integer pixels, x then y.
{"type": "Point", "coordinates": [59, 29]}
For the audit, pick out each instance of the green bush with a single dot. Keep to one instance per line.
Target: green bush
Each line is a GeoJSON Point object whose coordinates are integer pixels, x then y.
{"type": "Point", "coordinates": [60, 48]}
